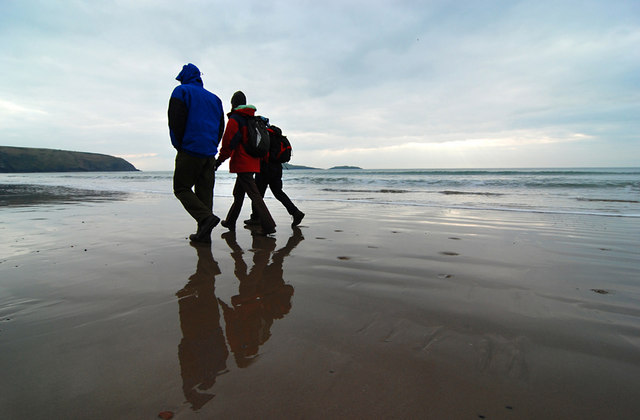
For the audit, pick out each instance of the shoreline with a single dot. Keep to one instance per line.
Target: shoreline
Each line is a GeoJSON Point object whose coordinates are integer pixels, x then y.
{"type": "Point", "coordinates": [610, 193]}
{"type": "Point", "coordinates": [366, 311]}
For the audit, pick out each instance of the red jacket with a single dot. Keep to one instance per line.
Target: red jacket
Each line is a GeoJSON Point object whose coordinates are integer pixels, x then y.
{"type": "Point", "coordinates": [232, 142]}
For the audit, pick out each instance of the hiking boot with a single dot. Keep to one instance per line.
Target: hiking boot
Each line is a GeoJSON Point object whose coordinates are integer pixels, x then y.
{"type": "Point", "coordinates": [297, 218]}
{"type": "Point", "coordinates": [229, 226]}
{"type": "Point", "coordinates": [194, 238]}
{"type": "Point", "coordinates": [204, 229]}
{"type": "Point", "coordinates": [252, 222]}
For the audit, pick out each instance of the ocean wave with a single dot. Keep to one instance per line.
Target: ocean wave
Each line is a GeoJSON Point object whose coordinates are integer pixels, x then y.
{"type": "Point", "coordinates": [608, 200]}
{"type": "Point", "coordinates": [402, 182]}
{"type": "Point", "coordinates": [500, 172]}
{"type": "Point", "coordinates": [148, 177]}
{"type": "Point", "coordinates": [518, 190]}
{"type": "Point", "coordinates": [383, 190]}
{"type": "Point", "coordinates": [486, 194]}
{"type": "Point", "coordinates": [545, 184]}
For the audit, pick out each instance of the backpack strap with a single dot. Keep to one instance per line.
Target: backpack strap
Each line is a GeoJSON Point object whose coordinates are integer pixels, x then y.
{"type": "Point", "coordinates": [237, 138]}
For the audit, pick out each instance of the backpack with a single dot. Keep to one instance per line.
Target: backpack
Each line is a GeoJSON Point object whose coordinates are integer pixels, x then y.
{"type": "Point", "coordinates": [257, 144]}
{"type": "Point", "coordinates": [280, 150]}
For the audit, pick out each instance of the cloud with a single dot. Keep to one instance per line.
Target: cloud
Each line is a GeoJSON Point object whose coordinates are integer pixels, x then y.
{"type": "Point", "coordinates": [14, 108]}
{"type": "Point", "coordinates": [139, 155]}
{"type": "Point", "coordinates": [364, 77]}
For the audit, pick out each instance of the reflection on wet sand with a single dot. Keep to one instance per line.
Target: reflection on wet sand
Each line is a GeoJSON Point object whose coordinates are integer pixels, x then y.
{"type": "Point", "coordinates": [202, 352]}
{"type": "Point", "coordinates": [262, 297]}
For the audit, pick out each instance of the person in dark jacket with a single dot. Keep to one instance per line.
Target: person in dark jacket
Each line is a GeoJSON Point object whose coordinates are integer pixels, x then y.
{"type": "Point", "coordinates": [263, 296]}
{"type": "Point", "coordinates": [196, 125]}
{"type": "Point", "coordinates": [270, 175]}
{"type": "Point", "coordinates": [244, 165]}
{"type": "Point", "coordinates": [203, 351]}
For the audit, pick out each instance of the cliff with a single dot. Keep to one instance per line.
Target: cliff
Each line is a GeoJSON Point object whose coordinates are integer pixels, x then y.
{"type": "Point", "coordinates": [25, 159]}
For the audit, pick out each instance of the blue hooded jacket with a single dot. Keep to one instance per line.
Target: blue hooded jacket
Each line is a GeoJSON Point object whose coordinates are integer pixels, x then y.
{"type": "Point", "coordinates": [196, 117]}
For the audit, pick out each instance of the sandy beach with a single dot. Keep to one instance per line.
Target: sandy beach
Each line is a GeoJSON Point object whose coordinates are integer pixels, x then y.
{"type": "Point", "coordinates": [365, 311]}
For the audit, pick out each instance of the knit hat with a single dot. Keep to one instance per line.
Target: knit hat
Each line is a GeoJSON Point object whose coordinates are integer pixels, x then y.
{"type": "Point", "coordinates": [238, 99]}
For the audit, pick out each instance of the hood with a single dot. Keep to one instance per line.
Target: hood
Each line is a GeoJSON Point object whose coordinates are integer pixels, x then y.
{"type": "Point", "coordinates": [244, 110]}
{"type": "Point", "coordinates": [189, 74]}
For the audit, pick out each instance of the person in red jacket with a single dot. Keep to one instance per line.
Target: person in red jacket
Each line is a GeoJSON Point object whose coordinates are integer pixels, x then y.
{"type": "Point", "coordinates": [242, 164]}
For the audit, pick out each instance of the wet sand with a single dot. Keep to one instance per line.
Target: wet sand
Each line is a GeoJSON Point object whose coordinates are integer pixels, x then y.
{"type": "Point", "coordinates": [366, 311]}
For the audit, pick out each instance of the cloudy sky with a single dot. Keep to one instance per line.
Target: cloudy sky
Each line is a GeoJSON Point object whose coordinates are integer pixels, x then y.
{"type": "Point", "coordinates": [377, 84]}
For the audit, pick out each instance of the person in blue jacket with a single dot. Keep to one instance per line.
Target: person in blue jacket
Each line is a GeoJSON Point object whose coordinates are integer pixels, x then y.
{"type": "Point", "coordinates": [196, 125]}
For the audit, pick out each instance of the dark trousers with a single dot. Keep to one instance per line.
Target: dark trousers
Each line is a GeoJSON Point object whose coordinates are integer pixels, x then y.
{"type": "Point", "coordinates": [197, 173]}
{"type": "Point", "coordinates": [245, 184]}
{"type": "Point", "coordinates": [271, 176]}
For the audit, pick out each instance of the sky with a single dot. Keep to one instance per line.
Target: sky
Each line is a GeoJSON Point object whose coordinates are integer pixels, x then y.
{"type": "Point", "coordinates": [375, 84]}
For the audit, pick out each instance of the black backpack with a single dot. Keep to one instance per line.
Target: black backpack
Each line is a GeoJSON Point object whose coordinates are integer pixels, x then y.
{"type": "Point", "coordinates": [280, 150]}
{"type": "Point", "coordinates": [258, 143]}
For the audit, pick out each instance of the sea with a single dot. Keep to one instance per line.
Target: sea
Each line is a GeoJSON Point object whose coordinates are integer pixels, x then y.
{"type": "Point", "coordinates": [605, 192]}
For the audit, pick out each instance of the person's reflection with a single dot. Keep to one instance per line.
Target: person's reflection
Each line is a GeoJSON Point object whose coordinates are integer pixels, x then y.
{"type": "Point", "coordinates": [262, 295]}
{"type": "Point", "coordinates": [202, 352]}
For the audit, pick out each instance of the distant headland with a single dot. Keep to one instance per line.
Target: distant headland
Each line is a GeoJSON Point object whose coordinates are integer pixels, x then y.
{"type": "Point", "coordinates": [290, 166]}
{"type": "Point", "coordinates": [345, 167]}
{"type": "Point", "coordinates": [27, 159]}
